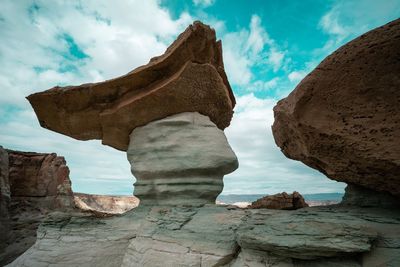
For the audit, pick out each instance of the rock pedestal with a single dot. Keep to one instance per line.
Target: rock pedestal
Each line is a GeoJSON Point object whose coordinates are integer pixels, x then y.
{"type": "Point", "coordinates": [180, 160]}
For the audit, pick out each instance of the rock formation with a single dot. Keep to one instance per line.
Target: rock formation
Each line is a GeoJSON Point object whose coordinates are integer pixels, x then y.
{"type": "Point", "coordinates": [343, 119]}
{"type": "Point", "coordinates": [104, 203]}
{"type": "Point", "coordinates": [180, 160]}
{"type": "Point", "coordinates": [4, 183]}
{"type": "Point", "coordinates": [167, 114]}
{"type": "Point", "coordinates": [40, 177]}
{"type": "Point", "coordinates": [32, 185]}
{"type": "Point", "coordinates": [281, 201]}
{"type": "Point", "coordinates": [159, 236]}
{"type": "Point", "coordinates": [189, 77]}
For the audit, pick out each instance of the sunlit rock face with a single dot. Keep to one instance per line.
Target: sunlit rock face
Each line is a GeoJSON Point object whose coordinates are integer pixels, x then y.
{"type": "Point", "coordinates": [180, 160]}
{"type": "Point", "coordinates": [343, 119]}
{"type": "Point", "coordinates": [188, 77]}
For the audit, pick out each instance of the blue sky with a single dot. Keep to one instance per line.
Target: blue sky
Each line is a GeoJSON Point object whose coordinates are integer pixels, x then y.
{"type": "Point", "coordinates": [269, 46]}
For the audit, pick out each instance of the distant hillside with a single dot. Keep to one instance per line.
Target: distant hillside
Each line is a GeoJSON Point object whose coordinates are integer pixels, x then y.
{"type": "Point", "coordinates": [232, 198]}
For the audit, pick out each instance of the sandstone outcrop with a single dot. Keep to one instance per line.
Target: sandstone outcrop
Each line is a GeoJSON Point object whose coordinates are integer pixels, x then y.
{"type": "Point", "coordinates": [221, 236]}
{"type": "Point", "coordinates": [189, 77]}
{"type": "Point", "coordinates": [32, 185]}
{"type": "Point", "coordinates": [281, 201]}
{"type": "Point", "coordinates": [343, 119]}
{"type": "Point", "coordinates": [40, 177]}
{"type": "Point", "coordinates": [363, 197]}
{"type": "Point", "coordinates": [104, 203]}
{"type": "Point", "coordinates": [180, 159]}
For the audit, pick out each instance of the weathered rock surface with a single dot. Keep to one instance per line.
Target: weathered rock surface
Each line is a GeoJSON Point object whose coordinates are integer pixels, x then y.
{"type": "Point", "coordinates": [359, 196]}
{"type": "Point", "coordinates": [180, 159]}
{"type": "Point", "coordinates": [32, 185]}
{"type": "Point", "coordinates": [189, 77]}
{"type": "Point", "coordinates": [4, 184]}
{"type": "Point", "coordinates": [343, 119]}
{"type": "Point", "coordinates": [105, 203]}
{"type": "Point", "coordinates": [281, 201]}
{"type": "Point", "coordinates": [40, 177]}
{"type": "Point", "coordinates": [220, 236]}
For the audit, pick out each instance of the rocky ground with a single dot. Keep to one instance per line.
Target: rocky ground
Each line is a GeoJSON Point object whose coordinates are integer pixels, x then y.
{"type": "Point", "coordinates": [220, 236]}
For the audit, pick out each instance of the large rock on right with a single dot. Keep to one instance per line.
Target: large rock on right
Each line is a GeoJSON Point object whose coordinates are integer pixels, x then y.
{"type": "Point", "coordinates": [343, 119]}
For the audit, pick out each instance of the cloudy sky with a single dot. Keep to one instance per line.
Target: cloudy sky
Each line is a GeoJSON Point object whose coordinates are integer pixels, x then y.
{"type": "Point", "coordinates": [269, 46]}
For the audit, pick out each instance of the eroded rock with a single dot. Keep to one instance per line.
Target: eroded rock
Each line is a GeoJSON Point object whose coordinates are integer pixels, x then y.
{"type": "Point", "coordinates": [34, 185]}
{"type": "Point", "coordinates": [105, 203]}
{"type": "Point", "coordinates": [343, 119]}
{"type": "Point", "coordinates": [189, 77]}
{"type": "Point", "coordinates": [219, 236]}
{"type": "Point", "coordinates": [180, 160]}
{"type": "Point", "coordinates": [281, 201]}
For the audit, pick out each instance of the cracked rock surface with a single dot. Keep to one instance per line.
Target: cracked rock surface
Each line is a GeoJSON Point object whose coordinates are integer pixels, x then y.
{"type": "Point", "coordinates": [221, 236]}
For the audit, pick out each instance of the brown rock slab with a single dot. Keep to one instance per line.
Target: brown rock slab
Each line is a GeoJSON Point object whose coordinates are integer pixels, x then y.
{"type": "Point", "coordinates": [188, 77]}
{"type": "Point", "coordinates": [281, 201]}
{"type": "Point", "coordinates": [343, 119]}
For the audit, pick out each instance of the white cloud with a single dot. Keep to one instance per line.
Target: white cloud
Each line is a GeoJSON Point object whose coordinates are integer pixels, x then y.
{"type": "Point", "coordinates": [248, 48]}
{"type": "Point", "coordinates": [260, 160]}
{"type": "Point", "coordinates": [296, 76]}
{"type": "Point", "coordinates": [204, 3]}
{"type": "Point", "coordinates": [348, 19]}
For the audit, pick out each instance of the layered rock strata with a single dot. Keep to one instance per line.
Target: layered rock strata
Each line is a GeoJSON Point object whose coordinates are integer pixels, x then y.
{"type": "Point", "coordinates": [221, 236]}
{"type": "Point", "coordinates": [281, 201]}
{"type": "Point", "coordinates": [40, 177]}
{"type": "Point", "coordinates": [343, 119]}
{"type": "Point", "coordinates": [32, 185]}
{"type": "Point", "coordinates": [180, 159]}
{"type": "Point", "coordinates": [188, 77]}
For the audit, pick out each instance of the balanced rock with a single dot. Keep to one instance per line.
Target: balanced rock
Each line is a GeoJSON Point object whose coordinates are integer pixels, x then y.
{"type": "Point", "coordinates": [281, 201]}
{"type": "Point", "coordinates": [343, 119]}
{"type": "Point", "coordinates": [180, 159]}
{"type": "Point", "coordinates": [189, 77]}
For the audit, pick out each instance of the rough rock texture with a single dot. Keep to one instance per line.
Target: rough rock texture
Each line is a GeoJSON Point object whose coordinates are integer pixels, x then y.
{"type": "Point", "coordinates": [180, 159]}
{"type": "Point", "coordinates": [34, 185]}
{"type": "Point", "coordinates": [343, 119]}
{"type": "Point", "coordinates": [40, 177]}
{"type": "Point", "coordinates": [359, 196]}
{"type": "Point", "coordinates": [281, 201]}
{"type": "Point", "coordinates": [189, 77]}
{"type": "Point", "coordinates": [221, 236]}
{"type": "Point", "coordinates": [105, 203]}
{"type": "Point", "coordinates": [4, 184]}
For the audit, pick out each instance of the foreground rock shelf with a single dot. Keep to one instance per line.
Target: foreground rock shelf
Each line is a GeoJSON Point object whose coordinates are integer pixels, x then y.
{"type": "Point", "coordinates": [220, 236]}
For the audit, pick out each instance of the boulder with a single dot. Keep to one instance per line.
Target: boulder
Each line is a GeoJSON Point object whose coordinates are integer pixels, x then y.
{"type": "Point", "coordinates": [104, 203]}
{"type": "Point", "coordinates": [281, 201]}
{"type": "Point", "coordinates": [188, 77]}
{"type": "Point", "coordinates": [343, 119]}
{"type": "Point", "coordinates": [180, 159]}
